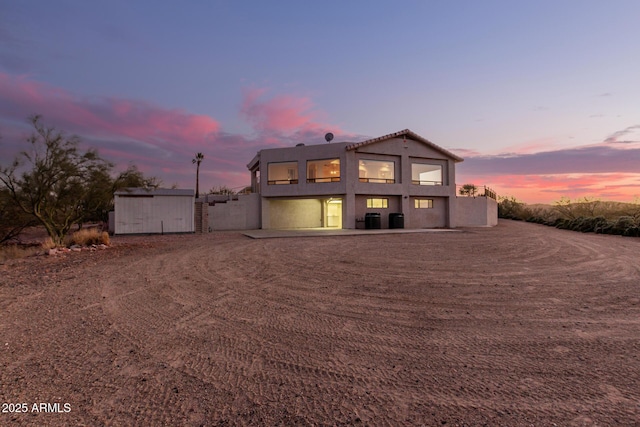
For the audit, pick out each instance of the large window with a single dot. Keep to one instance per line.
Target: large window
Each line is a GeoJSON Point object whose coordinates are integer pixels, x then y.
{"type": "Point", "coordinates": [426, 174]}
{"type": "Point", "coordinates": [282, 173]}
{"type": "Point", "coordinates": [327, 170]}
{"type": "Point", "coordinates": [376, 171]}
{"type": "Point", "coordinates": [377, 203]}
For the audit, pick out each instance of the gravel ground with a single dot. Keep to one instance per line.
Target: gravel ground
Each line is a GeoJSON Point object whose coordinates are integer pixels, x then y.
{"type": "Point", "coordinates": [517, 325]}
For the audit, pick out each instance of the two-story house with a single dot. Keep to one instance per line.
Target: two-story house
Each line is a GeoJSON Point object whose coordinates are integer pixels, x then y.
{"type": "Point", "coordinates": [338, 184]}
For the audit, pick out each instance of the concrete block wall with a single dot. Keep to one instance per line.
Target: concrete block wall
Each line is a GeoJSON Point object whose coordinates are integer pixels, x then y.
{"type": "Point", "coordinates": [201, 217]}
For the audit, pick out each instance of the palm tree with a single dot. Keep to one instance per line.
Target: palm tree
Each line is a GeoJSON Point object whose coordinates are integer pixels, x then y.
{"type": "Point", "coordinates": [197, 160]}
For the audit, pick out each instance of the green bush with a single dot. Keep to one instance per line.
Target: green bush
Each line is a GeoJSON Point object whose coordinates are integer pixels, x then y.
{"type": "Point", "coordinates": [633, 231]}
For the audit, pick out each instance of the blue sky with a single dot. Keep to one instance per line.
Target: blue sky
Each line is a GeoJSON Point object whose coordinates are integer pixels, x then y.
{"type": "Point", "coordinates": [542, 99]}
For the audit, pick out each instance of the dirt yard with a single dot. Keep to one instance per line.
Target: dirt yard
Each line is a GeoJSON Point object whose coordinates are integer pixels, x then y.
{"type": "Point", "coordinates": [519, 325]}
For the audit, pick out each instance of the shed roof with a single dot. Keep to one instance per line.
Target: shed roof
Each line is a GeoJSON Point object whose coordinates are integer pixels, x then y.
{"type": "Point", "coordinates": [137, 191]}
{"type": "Point", "coordinates": [405, 133]}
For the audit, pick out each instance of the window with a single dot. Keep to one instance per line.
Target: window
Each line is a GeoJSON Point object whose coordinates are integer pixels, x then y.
{"type": "Point", "coordinates": [376, 171]}
{"type": "Point", "coordinates": [323, 170]}
{"type": "Point", "coordinates": [282, 173]}
{"type": "Point", "coordinates": [426, 174]}
{"type": "Point", "coordinates": [374, 203]}
{"type": "Point", "coordinates": [424, 203]}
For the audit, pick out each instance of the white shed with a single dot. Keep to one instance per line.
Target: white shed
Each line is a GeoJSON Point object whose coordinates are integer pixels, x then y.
{"type": "Point", "coordinates": [157, 211]}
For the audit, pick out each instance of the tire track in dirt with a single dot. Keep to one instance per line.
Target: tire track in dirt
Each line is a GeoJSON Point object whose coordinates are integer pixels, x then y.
{"type": "Point", "coordinates": [516, 325]}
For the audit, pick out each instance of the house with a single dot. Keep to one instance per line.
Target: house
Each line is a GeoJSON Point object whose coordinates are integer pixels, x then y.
{"type": "Point", "coordinates": [155, 211]}
{"type": "Point", "coordinates": [396, 180]}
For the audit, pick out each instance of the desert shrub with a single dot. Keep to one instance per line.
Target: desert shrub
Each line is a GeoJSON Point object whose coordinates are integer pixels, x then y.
{"type": "Point", "coordinates": [535, 219]}
{"type": "Point", "coordinates": [585, 207]}
{"type": "Point", "coordinates": [582, 224]}
{"type": "Point", "coordinates": [603, 227]}
{"type": "Point", "coordinates": [510, 208]}
{"type": "Point", "coordinates": [8, 252]}
{"type": "Point", "coordinates": [592, 224]}
{"type": "Point", "coordinates": [577, 224]}
{"type": "Point", "coordinates": [585, 215]}
{"type": "Point", "coordinates": [587, 224]}
{"type": "Point", "coordinates": [48, 244]}
{"type": "Point", "coordinates": [633, 231]}
{"type": "Point", "coordinates": [89, 236]}
{"type": "Point", "coordinates": [621, 225]}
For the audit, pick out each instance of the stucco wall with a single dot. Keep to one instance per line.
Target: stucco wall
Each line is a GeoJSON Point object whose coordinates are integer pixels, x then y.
{"type": "Point", "coordinates": [302, 155]}
{"type": "Point", "coordinates": [435, 217]}
{"type": "Point", "coordinates": [476, 212]}
{"type": "Point", "coordinates": [395, 206]}
{"type": "Point", "coordinates": [241, 214]}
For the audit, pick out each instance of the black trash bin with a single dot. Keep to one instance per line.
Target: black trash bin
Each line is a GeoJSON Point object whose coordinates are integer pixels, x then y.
{"type": "Point", "coordinates": [396, 220]}
{"type": "Point", "coordinates": [372, 221]}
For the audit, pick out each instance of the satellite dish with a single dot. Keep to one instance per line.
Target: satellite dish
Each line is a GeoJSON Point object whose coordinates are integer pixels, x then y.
{"type": "Point", "coordinates": [328, 137]}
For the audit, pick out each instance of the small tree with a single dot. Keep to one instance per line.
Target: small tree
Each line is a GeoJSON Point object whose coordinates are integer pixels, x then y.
{"type": "Point", "coordinates": [510, 208]}
{"type": "Point", "coordinates": [99, 198]}
{"type": "Point", "coordinates": [197, 160]}
{"type": "Point", "coordinates": [52, 179]}
{"type": "Point", "coordinates": [468, 190]}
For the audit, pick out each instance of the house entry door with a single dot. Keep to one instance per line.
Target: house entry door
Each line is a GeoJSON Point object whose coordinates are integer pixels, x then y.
{"type": "Point", "coordinates": [333, 213]}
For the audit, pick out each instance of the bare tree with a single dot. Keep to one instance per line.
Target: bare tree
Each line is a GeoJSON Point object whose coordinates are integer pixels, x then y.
{"type": "Point", "coordinates": [585, 207]}
{"type": "Point", "coordinates": [222, 189]}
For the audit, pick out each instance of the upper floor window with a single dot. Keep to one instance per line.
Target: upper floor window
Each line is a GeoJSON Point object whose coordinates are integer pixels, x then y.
{"type": "Point", "coordinates": [376, 171]}
{"type": "Point", "coordinates": [282, 173]}
{"type": "Point", "coordinates": [426, 174]}
{"type": "Point", "coordinates": [327, 170]}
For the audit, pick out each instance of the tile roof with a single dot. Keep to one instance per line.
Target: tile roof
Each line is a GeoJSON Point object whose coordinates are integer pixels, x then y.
{"type": "Point", "coordinates": [406, 133]}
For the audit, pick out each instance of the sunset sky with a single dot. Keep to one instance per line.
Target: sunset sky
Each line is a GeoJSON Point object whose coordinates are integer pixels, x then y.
{"type": "Point", "coordinates": [541, 98]}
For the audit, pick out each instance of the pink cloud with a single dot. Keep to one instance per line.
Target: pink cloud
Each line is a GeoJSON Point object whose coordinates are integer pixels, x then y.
{"type": "Point", "coordinates": [606, 171]}
{"type": "Point", "coordinates": [531, 146]}
{"type": "Point", "coordinates": [103, 117]}
{"type": "Point", "coordinates": [160, 141]}
{"type": "Point", "coordinates": [533, 188]}
{"type": "Point", "coordinates": [631, 134]}
{"type": "Point", "coordinates": [282, 115]}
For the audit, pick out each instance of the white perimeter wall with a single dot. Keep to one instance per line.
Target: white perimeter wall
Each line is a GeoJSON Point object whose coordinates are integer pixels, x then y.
{"type": "Point", "coordinates": [241, 214]}
{"type": "Point", "coordinates": [476, 212]}
{"type": "Point", "coordinates": [156, 214]}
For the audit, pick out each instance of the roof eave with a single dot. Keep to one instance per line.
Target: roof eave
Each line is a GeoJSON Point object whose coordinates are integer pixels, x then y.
{"type": "Point", "coordinates": [405, 132]}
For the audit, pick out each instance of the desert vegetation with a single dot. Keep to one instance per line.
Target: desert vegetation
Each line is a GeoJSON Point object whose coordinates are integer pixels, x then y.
{"type": "Point", "coordinates": [54, 185]}
{"type": "Point", "coordinates": [89, 236]}
{"type": "Point", "coordinates": [584, 215]}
